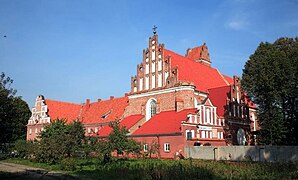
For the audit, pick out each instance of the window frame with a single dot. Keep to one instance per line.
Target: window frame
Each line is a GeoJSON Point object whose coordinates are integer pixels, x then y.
{"type": "Point", "coordinates": [167, 147]}
{"type": "Point", "coordinates": [145, 147]}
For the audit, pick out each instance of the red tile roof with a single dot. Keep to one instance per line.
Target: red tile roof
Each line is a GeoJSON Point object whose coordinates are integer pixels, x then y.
{"type": "Point", "coordinates": [63, 110]}
{"type": "Point", "coordinates": [128, 122]}
{"type": "Point", "coordinates": [218, 97]}
{"type": "Point", "coordinates": [164, 122]}
{"type": "Point", "coordinates": [229, 79]}
{"type": "Point", "coordinates": [112, 109]}
{"type": "Point", "coordinates": [204, 77]}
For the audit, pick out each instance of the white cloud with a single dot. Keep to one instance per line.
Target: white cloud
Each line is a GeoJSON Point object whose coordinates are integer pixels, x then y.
{"type": "Point", "coordinates": [237, 24]}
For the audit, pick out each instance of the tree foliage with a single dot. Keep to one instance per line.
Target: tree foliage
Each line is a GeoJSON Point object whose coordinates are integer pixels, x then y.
{"type": "Point", "coordinates": [119, 142]}
{"type": "Point", "coordinates": [270, 77]}
{"type": "Point", "coordinates": [59, 140]}
{"type": "Point", "coordinates": [14, 112]}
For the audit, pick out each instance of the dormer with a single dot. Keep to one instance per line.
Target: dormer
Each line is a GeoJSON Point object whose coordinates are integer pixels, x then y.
{"type": "Point", "coordinates": [199, 54]}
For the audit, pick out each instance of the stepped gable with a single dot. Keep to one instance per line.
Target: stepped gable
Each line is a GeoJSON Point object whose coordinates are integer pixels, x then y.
{"type": "Point", "coordinates": [164, 122]}
{"type": "Point", "coordinates": [104, 111]}
{"type": "Point", "coordinates": [199, 54]}
{"type": "Point", "coordinates": [204, 77]}
{"type": "Point", "coordinates": [249, 103]}
{"type": "Point", "coordinates": [63, 110]}
{"type": "Point", "coordinates": [127, 122]}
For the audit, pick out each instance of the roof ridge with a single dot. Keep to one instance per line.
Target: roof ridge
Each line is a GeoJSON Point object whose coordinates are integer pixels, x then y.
{"type": "Point", "coordinates": [107, 100]}
{"type": "Point", "coordinates": [61, 102]}
{"type": "Point", "coordinates": [219, 87]}
{"type": "Point", "coordinates": [223, 77]}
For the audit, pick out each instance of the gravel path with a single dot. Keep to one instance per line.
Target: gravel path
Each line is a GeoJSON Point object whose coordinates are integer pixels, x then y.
{"type": "Point", "coordinates": [17, 171]}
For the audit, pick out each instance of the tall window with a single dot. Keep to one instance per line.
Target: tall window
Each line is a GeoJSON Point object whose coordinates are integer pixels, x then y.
{"type": "Point", "coordinates": [150, 108]}
{"type": "Point", "coordinates": [146, 148]}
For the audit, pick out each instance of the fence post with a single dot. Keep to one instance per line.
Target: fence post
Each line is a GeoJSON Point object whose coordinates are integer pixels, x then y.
{"type": "Point", "coordinates": [214, 149]}
{"type": "Point", "coordinates": [260, 148]}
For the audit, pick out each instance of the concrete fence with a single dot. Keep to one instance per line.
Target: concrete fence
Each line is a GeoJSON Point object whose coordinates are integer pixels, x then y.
{"type": "Point", "coordinates": [244, 153]}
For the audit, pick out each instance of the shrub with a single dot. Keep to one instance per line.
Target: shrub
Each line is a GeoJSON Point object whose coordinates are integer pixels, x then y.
{"type": "Point", "coordinates": [69, 164]}
{"type": "Point", "coordinates": [21, 148]}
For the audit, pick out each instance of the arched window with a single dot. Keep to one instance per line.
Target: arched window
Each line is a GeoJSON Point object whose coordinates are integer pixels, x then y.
{"type": "Point", "coordinates": [150, 108]}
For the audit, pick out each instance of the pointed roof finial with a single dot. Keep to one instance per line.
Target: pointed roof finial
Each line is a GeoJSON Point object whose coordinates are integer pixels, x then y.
{"type": "Point", "coordinates": [154, 29]}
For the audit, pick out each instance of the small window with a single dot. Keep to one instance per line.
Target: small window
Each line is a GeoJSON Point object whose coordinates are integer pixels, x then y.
{"type": "Point", "coordinates": [189, 135]}
{"type": "Point", "coordinates": [96, 130]}
{"type": "Point", "coordinates": [36, 130]}
{"type": "Point", "coordinates": [167, 147]}
{"type": "Point", "coordinates": [89, 130]}
{"type": "Point", "coordinates": [145, 147]}
{"type": "Point", "coordinates": [30, 131]}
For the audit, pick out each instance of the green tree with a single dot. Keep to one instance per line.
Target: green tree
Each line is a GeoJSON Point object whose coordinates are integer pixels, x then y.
{"type": "Point", "coordinates": [14, 112]}
{"type": "Point", "coordinates": [60, 140]}
{"type": "Point", "coordinates": [270, 77]}
{"type": "Point", "coordinates": [119, 142]}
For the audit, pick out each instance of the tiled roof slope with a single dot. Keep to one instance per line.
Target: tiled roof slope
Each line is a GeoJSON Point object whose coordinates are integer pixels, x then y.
{"type": "Point", "coordinates": [113, 109]}
{"type": "Point", "coordinates": [164, 122]}
{"type": "Point", "coordinates": [97, 112]}
{"type": "Point", "coordinates": [128, 122]}
{"type": "Point", "coordinates": [63, 110]}
{"type": "Point", "coordinates": [218, 97]}
{"type": "Point", "coordinates": [229, 79]}
{"type": "Point", "coordinates": [204, 77]}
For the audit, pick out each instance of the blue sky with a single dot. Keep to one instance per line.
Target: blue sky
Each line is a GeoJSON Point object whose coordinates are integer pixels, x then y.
{"type": "Point", "coordinates": [71, 50]}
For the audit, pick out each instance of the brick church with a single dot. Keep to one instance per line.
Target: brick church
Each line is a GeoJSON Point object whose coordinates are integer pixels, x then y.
{"type": "Point", "coordinates": [175, 101]}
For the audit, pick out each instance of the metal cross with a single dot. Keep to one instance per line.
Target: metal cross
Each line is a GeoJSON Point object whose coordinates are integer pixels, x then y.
{"type": "Point", "coordinates": [154, 29]}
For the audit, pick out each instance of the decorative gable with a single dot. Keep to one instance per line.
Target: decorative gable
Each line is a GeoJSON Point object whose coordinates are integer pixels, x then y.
{"type": "Point", "coordinates": [199, 54]}
{"type": "Point", "coordinates": [39, 112]}
{"type": "Point", "coordinates": [155, 70]}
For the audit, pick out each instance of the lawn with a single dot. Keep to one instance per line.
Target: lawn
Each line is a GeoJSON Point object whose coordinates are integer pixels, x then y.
{"type": "Point", "coordinates": [169, 169]}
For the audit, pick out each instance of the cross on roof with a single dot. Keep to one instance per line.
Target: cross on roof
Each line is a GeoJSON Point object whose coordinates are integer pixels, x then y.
{"type": "Point", "coordinates": [154, 29]}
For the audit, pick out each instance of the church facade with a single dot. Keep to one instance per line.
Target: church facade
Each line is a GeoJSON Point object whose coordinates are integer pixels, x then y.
{"type": "Point", "coordinates": [175, 101]}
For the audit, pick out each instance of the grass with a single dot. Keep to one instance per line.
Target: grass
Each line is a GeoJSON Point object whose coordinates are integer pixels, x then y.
{"type": "Point", "coordinates": [170, 169]}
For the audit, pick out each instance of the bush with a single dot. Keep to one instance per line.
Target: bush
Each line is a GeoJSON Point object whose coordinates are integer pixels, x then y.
{"type": "Point", "coordinates": [21, 148]}
{"type": "Point", "coordinates": [68, 164]}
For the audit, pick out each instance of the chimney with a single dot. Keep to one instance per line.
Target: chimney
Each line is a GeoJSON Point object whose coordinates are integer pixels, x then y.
{"type": "Point", "coordinates": [98, 100]}
{"type": "Point", "coordinates": [111, 97]}
{"type": "Point", "coordinates": [126, 94]}
{"type": "Point", "coordinates": [87, 102]}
